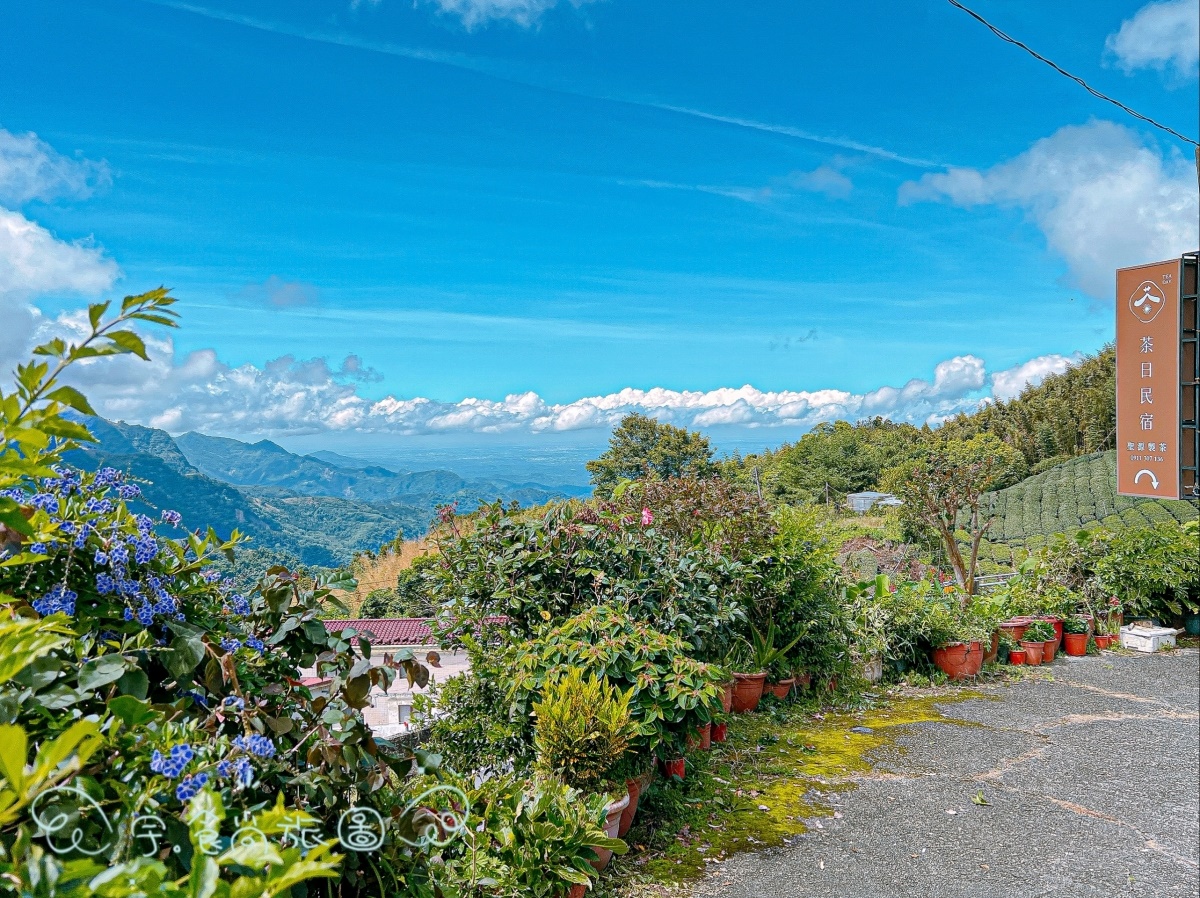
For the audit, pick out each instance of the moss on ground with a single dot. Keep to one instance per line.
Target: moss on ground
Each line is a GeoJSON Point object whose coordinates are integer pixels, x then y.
{"type": "Point", "coordinates": [763, 786]}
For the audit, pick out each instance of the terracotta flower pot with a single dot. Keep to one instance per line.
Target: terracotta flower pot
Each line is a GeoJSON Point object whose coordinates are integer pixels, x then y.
{"type": "Point", "coordinates": [1050, 650]}
{"type": "Point", "coordinates": [577, 891]}
{"type": "Point", "coordinates": [959, 661]}
{"type": "Point", "coordinates": [780, 689]}
{"type": "Point", "coordinates": [674, 767]}
{"type": "Point", "coordinates": [727, 696]}
{"type": "Point", "coordinates": [635, 792]}
{"type": "Point", "coordinates": [612, 823]}
{"type": "Point", "coordinates": [993, 648]}
{"type": "Point", "coordinates": [747, 691]}
{"type": "Point", "coordinates": [1055, 622]}
{"type": "Point", "coordinates": [720, 732]}
{"type": "Point", "coordinates": [702, 739]}
{"type": "Point", "coordinates": [1076, 644]}
{"type": "Point", "coordinates": [1103, 641]}
{"type": "Point", "coordinates": [1015, 627]}
{"type": "Point", "coordinates": [1016, 657]}
{"type": "Point", "coordinates": [1033, 652]}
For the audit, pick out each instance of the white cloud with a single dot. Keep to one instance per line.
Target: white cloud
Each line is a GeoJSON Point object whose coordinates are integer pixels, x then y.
{"type": "Point", "coordinates": [1103, 198]}
{"type": "Point", "coordinates": [1160, 36]}
{"type": "Point", "coordinates": [480, 12]}
{"type": "Point", "coordinates": [31, 169]}
{"type": "Point", "coordinates": [32, 260]}
{"type": "Point", "coordinates": [1009, 383]}
{"type": "Point", "coordinates": [824, 179]}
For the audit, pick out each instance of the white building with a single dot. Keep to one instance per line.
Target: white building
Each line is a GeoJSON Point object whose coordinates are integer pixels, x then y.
{"type": "Point", "coordinates": [865, 501]}
{"type": "Point", "coordinates": [389, 712]}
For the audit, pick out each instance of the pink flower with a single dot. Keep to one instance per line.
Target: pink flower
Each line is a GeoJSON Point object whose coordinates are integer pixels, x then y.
{"type": "Point", "coordinates": [647, 517]}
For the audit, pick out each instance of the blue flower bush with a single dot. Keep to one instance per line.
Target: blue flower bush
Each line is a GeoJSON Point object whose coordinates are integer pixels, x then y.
{"type": "Point", "coordinates": [136, 681]}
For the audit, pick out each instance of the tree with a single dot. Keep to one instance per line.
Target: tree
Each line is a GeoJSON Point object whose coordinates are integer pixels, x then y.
{"type": "Point", "coordinates": [642, 447]}
{"type": "Point", "coordinates": [946, 488]}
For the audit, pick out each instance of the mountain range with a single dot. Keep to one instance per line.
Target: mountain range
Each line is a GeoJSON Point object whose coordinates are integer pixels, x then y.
{"type": "Point", "coordinates": [316, 510]}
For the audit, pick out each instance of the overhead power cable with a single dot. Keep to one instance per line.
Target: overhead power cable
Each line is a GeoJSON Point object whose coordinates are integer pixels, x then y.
{"type": "Point", "coordinates": [1091, 90]}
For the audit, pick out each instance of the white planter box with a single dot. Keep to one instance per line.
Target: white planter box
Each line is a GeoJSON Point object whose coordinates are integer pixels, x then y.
{"type": "Point", "coordinates": [1147, 639]}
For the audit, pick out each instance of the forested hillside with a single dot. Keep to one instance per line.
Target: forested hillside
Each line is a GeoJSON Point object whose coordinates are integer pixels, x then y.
{"type": "Point", "coordinates": [1068, 414]}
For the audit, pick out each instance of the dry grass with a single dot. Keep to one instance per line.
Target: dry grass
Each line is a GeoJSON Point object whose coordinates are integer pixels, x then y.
{"type": "Point", "coordinates": [381, 571]}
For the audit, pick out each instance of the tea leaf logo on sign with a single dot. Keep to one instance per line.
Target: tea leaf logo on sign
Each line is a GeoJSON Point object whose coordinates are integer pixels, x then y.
{"type": "Point", "coordinates": [1147, 301]}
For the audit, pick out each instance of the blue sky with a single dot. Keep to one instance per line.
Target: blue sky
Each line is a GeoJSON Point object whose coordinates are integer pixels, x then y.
{"type": "Point", "coordinates": [488, 199]}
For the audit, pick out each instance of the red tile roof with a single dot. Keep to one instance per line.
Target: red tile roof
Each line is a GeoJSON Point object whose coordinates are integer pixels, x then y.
{"type": "Point", "coordinates": [388, 630]}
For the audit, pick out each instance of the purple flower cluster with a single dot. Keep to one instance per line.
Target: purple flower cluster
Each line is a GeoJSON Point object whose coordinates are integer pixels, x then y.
{"type": "Point", "coordinates": [260, 746]}
{"type": "Point", "coordinates": [174, 762]}
{"type": "Point", "coordinates": [190, 785]}
{"type": "Point", "coordinates": [57, 599]}
{"type": "Point", "coordinates": [238, 604]}
{"type": "Point", "coordinates": [230, 644]}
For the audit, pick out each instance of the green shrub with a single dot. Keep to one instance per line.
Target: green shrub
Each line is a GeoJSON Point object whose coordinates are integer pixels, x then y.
{"type": "Point", "coordinates": [672, 693]}
{"type": "Point", "coordinates": [1039, 631]}
{"type": "Point", "coordinates": [583, 728]}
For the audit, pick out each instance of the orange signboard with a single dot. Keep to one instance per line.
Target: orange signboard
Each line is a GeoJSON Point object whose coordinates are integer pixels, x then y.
{"type": "Point", "coordinates": [1148, 380]}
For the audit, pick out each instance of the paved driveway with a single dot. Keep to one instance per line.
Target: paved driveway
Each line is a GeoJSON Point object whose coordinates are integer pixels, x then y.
{"type": "Point", "coordinates": [1090, 780]}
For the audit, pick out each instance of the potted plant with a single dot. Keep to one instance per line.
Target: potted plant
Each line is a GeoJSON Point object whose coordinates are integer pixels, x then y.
{"type": "Point", "coordinates": [1005, 647]}
{"type": "Point", "coordinates": [1037, 634]}
{"type": "Point", "coordinates": [747, 686]}
{"type": "Point", "coordinates": [583, 728]}
{"type": "Point", "coordinates": [632, 769]}
{"type": "Point", "coordinates": [720, 729]}
{"type": "Point", "coordinates": [771, 659]}
{"type": "Point", "coordinates": [1075, 636]}
{"type": "Point", "coordinates": [957, 639]}
{"type": "Point", "coordinates": [1017, 656]}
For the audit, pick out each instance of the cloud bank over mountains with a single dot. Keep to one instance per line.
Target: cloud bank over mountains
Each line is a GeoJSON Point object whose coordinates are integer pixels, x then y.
{"type": "Point", "coordinates": [287, 396]}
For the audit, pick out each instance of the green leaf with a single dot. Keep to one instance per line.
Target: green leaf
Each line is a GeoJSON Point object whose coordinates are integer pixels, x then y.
{"type": "Point", "coordinates": [96, 312]}
{"type": "Point", "coordinates": [71, 398]}
{"type": "Point", "coordinates": [14, 746]}
{"type": "Point", "coordinates": [132, 712]}
{"type": "Point", "coordinates": [102, 671]}
{"type": "Point", "coordinates": [134, 683]}
{"type": "Point", "coordinates": [129, 342]}
{"type": "Point", "coordinates": [12, 517]}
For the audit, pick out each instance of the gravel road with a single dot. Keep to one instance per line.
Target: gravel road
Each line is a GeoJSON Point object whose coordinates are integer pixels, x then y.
{"type": "Point", "coordinates": [1090, 780]}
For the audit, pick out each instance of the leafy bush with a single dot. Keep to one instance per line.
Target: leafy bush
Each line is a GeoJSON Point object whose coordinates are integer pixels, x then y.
{"type": "Point", "coordinates": [672, 693]}
{"type": "Point", "coordinates": [801, 595]}
{"type": "Point", "coordinates": [507, 573]}
{"type": "Point", "coordinates": [583, 728]}
{"type": "Point", "coordinates": [526, 838]}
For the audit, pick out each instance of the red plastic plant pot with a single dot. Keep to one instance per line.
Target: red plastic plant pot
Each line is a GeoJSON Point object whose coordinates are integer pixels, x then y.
{"type": "Point", "coordinates": [720, 732]}
{"type": "Point", "coordinates": [1075, 644]}
{"type": "Point", "coordinates": [674, 767]}
{"type": "Point", "coordinates": [1016, 657]}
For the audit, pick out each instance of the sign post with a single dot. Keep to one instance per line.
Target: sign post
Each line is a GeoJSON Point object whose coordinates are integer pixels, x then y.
{"type": "Point", "coordinates": [1148, 380]}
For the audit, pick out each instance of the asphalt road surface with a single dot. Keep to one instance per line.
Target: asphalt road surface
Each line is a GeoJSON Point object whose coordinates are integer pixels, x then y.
{"type": "Point", "coordinates": [1091, 787]}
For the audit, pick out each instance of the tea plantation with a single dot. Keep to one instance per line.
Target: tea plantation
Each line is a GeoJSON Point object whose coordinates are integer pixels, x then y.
{"type": "Point", "coordinates": [1077, 493]}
